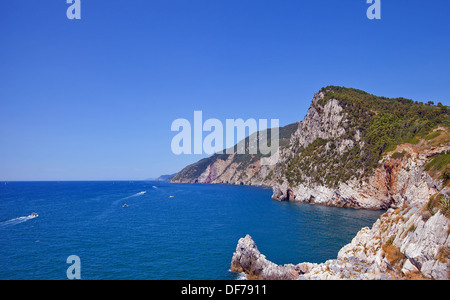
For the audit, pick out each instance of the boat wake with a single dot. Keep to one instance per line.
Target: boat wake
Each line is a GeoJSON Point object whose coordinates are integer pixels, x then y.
{"type": "Point", "coordinates": [135, 195]}
{"type": "Point", "coordinates": [19, 220]}
{"type": "Point", "coordinates": [118, 202]}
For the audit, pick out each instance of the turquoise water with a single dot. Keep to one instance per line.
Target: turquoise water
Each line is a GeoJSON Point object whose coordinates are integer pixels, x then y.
{"type": "Point", "coordinates": [167, 231]}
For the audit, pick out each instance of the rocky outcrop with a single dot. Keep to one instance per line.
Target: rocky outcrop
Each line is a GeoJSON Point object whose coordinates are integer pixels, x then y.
{"type": "Point", "coordinates": [400, 245]}
{"type": "Point", "coordinates": [324, 122]}
{"type": "Point", "coordinates": [425, 245]}
{"type": "Point", "coordinates": [331, 124]}
{"type": "Point", "coordinates": [408, 242]}
{"type": "Point", "coordinates": [394, 181]}
{"type": "Point", "coordinates": [249, 260]}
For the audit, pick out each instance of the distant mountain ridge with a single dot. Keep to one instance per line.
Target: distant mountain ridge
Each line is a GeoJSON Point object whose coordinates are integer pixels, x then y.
{"type": "Point", "coordinates": [165, 177]}
{"type": "Point", "coordinates": [233, 168]}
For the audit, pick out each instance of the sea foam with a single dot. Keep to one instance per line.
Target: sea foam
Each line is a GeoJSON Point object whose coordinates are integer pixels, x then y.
{"type": "Point", "coordinates": [135, 195]}
{"type": "Point", "coordinates": [16, 221]}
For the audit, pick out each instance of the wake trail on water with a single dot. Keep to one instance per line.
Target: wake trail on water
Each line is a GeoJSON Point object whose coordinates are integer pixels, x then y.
{"type": "Point", "coordinates": [115, 203]}
{"type": "Point", "coordinates": [16, 221]}
{"type": "Point", "coordinates": [132, 196]}
{"type": "Point", "coordinates": [135, 195]}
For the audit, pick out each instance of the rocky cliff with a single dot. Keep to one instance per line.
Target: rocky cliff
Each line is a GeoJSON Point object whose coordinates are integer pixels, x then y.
{"type": "Point", "coordinates": [354, 149]}
{"type": "Point", "coordinates": [240, 169]}
{"type": "Point", "coordinates": [402, 244]}
{"type": "Point", "coordinates": [338, 155]}
{"type": "Point", "coordinates": [411, 241]}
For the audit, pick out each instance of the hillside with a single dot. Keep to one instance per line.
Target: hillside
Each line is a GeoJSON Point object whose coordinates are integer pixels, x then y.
{"type": "Point", "coordinates": [329, 157]}
{"type": "Point", "coordinates": [354, 149]}
{"type": "Point", "coordinates": [341, 154]}
{"type": "Point", "coordinates": [234, 168]}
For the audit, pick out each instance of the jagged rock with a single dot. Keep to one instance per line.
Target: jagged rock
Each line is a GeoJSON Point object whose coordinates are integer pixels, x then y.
{"type": "Point", "coordinates": [408, 268]}
{"type": "Point", "coordinates": [423, 248]}
{"type": "Point", "coordinates": [249, 260]}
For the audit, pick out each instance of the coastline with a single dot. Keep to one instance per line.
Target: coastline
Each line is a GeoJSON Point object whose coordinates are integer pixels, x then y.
{"type": "Point", "coordinates": [409, 241]}
{"type": "Point", "coordinates": [392, 248]}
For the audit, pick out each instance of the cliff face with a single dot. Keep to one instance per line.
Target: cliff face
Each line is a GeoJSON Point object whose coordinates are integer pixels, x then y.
{"type": "Point", "coordinates": [245, 169]}
{"type": "Point", "coordinates": [410, 241]}
{"type": "Point", "coordinates": [356, 150]}
{"type": "Point", "coordinates": [339, 154]}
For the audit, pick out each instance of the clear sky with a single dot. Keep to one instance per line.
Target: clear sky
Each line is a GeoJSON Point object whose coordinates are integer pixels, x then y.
{"type": "Point", "coordinates": [94, 99]}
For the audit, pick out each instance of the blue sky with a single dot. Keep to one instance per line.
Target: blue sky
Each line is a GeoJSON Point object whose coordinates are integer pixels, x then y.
{"type": "Point", "coordinates": [94, 99]}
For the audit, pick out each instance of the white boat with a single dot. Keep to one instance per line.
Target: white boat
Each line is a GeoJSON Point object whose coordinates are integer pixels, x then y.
{"type": "Point", "coordinates": [33, 215]}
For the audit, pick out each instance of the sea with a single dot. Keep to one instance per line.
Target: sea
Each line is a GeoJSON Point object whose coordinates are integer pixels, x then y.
{"type": "Point", "coordinates": [159, 230]}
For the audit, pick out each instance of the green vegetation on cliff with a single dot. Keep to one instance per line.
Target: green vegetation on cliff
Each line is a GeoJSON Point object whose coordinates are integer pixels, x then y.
{"type": "Point", "coordinates": [380, 123]}
{"type": "Point", "coordinates": [368, 126]}
{"type": "Point", "coordinates": [387, 122]}
{"type": "Point", "coordinates": [440, 165]}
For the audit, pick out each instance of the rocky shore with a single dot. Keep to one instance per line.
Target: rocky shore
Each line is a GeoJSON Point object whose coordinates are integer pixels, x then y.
{"type": "Point", "coordinates": [404, 243]}
{"type": "Point", "coordinates": [410, 241]}
{"type": "Point", "coordinates": [355, 150]}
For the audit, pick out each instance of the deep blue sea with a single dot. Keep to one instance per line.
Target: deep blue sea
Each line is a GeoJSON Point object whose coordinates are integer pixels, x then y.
{"type": "Point", "coordinates": [167, 231]}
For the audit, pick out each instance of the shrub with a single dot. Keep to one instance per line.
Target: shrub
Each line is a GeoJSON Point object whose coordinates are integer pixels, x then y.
{"type": "Point", "coordinates": [444, 205]}
{"type": "Point", "coordinates": [397, 155]}
{"type": "Point", "coordinates": [438, 202]}
{"type": "Point", "coordinates": [433, 135]}
{"type": "Point", "coordinates": [439, 162]}
{"type": "Point", "coordinates": [392, 253]}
